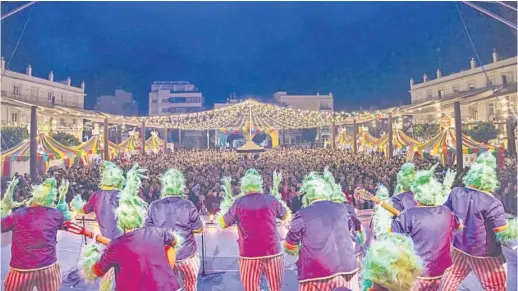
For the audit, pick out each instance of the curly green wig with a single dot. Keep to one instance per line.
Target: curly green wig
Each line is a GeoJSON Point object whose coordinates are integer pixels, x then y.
{"type": "Point", "coordinates": [427, 190]}
{"type": "Point", "coordinates": [405, 178]}
{"type": "Point", "coordinates": [314, 188]}
{"type": "Point", "coordinates": [482, 175]}
{"type": "Point", "coordinates": [112, 176]}
{"type": "Point", "coordinates": [46, 193]}
{"type": "Point", "coordinates": [132, 209]}
{"type": "Point", "coordinates": [173, 183]}
{"type": "Point", "coordinates": [251, 182]}
{"type": "Point", "coordinates": [391, 263]}
{"type": "Point", "coordinates": [336, 194]}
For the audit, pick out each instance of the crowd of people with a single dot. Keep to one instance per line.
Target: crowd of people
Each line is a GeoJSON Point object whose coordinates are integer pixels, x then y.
{"type": "Point", "coordinates": [204, 169]}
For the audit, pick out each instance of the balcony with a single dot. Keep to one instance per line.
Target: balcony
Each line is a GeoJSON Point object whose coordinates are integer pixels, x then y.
{"type": "Point", "coordinates": [39, 100]}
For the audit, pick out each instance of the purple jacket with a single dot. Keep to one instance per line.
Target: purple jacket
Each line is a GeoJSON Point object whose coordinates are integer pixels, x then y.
{"type": "Point", "coordinates": [431, 230]}
{"type": "Point", "coordinates": [325, 241]}
{"type": "Point", "coordinates": [403, 201]}
{"type": "Point", "coordinates": [256, 215]}
{"type": "Point", "coordinates": [481, 216]}
{"type": "Point", "coordinates": [34, 236]}
{"type": "Point", "coordinates": [140, 261]}
{"type": "Point", "coordinates": [104, 203]}
{"type": "Point", "coordinates": [180, 215]}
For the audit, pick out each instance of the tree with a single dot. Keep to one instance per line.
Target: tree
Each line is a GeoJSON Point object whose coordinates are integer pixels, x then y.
{"type": "Point", "coordinates": [66, 139]}
{"type": "Point", "coordinates": [426, 130]}
{"type": "Point", "coordinates": [483, 132]}
{"type": "Point", "coordinates": [12, 136]}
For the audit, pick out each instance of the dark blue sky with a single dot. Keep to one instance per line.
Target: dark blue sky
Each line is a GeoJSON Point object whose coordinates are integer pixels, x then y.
{"type": "Point", "coordinates": [363, 52]}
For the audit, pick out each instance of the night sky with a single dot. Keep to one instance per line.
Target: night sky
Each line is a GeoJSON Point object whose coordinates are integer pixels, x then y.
{"type": "Point", "coordinates": [363, 52]}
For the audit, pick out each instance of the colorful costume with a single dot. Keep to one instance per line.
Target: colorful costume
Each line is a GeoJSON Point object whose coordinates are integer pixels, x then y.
{"type": "Point", "coordinates": [173, 212]}
{"type": "Point", "coordinates": [431, 229]}
{"type": "Point", "coordinates": [33, 261]}
{"type": "Point", "coordinates": [138, 255]}
{"type": "Point", "coordinates": [256, 213]}
{"type": "Point", "coordinates": [477, 247]}
{"type": "Point", "coordinates": [323, 243]}
{"type": "Point", "coordinates": [104, 203]}
{"type": "Point", "coordinates": [391, 264]}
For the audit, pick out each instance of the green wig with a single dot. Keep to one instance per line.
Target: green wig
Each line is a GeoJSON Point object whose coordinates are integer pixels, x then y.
{"type": "Point", "coordinates": [381, 218]}
{"type": "Point", "coordinates": [314, 188]}
{"type": "Point", "coordinates": [427, 190]}
{"type": "Point", "coordinates": [132, 209]}
{"type": "Point", "coordinates": [112, 176]}
{"type": "Point", "coordinates": [8, 202]}
{"type": "Point", "coordinates": [482, 175]}
{"type": "Point", "coordinates": [405, 178]}
{"type": "Point", "coordinates": [45, 194]}
{"type": "Point", "coordinates": [391, 263]}
{"type": "Point", "coordinates": [251, 182]}
{"type": "Point", "coordinates": [336, 194]}
{"type": "Point", "coordinates": [173, 183]}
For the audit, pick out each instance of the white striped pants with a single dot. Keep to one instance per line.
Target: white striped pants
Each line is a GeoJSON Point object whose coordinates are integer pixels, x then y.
{"type": "Point", "coordinates": [48, 279]}
{"type": "Point", "coordinates": [252, 269]}
{"type": "Point", "coordinates": [349, 281]}
{"type": "Point", "coordinates": [189, 269]}
{"type": "Point", "coordinates": [489, 271]}
{"type": "Point", "coordinates": [107, 280]}
{"type": "Point", "coordinates": [421, 284]}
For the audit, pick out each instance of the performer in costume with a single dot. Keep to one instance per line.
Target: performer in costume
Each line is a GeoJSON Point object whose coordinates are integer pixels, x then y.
{"type": "Point", "coordinates": [323, 243]}
{"type": "Point", "coordinates": [430, 225]}
{"type": "Point", "coordinates": [391, 264]}
{"type": "Point", "coordinates": [173, 212]}
{"type": "Point", "coordinates": [477, 247]}
{"type": "Point", "coordinates": [404, 199]}
{"type": "Point", "coordinates": [259, 241]}
{"type": "Point", "coordinates": [104, 203]}
{"type": "Point", "coordinates": [357, 232]}
{"type": "Point", "coordinates": [138, 255]}
{"type": "Point", "coordinates": [33, 251]}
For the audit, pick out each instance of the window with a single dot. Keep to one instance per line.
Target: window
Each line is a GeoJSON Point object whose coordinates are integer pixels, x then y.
{"type": "Point", "coordinates": [14, 117]}
{"type": "Point", "coordinates": [473, 113]}
{"type": "Point", "coordinates": [16, 90]}
{"type": "Point", "coordinates": [504, 80]}
{"type": "Point", "coordinates": [491, 111]}
{"type": "Point", "coordinates": [62, 122]}
{"type": "Point", "coordinates": [456, 88]}
{"type": "Point", "coordinates": [471, 85]}
{"type": "Point", "coordinates": [34, 92]}
{"type": "Point", "coordinates": [428, 93]}
{"type": "Point", "coordinates": [442, 93]}
{"type": "Point", "coordinates": [74, 121]}
{"type": "Point", "coordinates": [154, 101]}
{"type": "Point", "coordinates": [49, 96]}
{"type": "Point", "coordinates": [62, 98]}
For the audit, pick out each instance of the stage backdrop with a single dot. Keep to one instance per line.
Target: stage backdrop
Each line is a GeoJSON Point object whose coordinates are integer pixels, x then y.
{"type": "Point", "coordinates": [222, 135]}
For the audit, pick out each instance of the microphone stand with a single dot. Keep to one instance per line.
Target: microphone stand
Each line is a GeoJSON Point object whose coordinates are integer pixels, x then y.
{"type": "Point", "coordinates": [203, 274]}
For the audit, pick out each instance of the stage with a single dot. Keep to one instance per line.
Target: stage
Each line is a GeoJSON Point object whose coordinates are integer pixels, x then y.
{"type": "Point", "coordinates": [221, 253]}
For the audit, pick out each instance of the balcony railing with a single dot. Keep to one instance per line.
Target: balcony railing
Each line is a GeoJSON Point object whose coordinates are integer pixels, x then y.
{"type": "Point", "coordinates": [39, 100]}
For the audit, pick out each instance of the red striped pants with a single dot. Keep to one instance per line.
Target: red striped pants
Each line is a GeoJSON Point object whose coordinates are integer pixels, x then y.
{"type": "Point", "coordinates": [422, 284]}
{"type": "Point", "coordinates": [189, 269]}
{"type": "Point", "coordinates": [48, 279]}
{"type": "Point", "coordinates": [349, 281]}
{"type": "Point", "coordinates": [252, 269]}
{"type": "Point", "coordinates": [490, 271]}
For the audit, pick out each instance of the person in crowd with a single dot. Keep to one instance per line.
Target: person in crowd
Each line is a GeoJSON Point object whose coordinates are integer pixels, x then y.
{"type": "Point", "coordinates": [477, 247]}
{"type": "Point", "coordinates": [175, 213]}
{"type": "Point", "coordinates": [33, 251]}
{"type": "Point", "coordinates": [404, 198]}
{"type": "Point", "coordinates": [320, 239]}
{"type": "Point", "coordinates": [138, 255]}
{"type": "Point", "coordinates": [259, 247]}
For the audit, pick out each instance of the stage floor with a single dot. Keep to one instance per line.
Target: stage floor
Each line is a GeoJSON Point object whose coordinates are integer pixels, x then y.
{"type": "Point", "coordinates": [222, 255]}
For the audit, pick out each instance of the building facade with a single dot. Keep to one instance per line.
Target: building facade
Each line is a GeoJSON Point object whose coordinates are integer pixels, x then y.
{"type": "Point", "coordinates": [40, 91]}
{"type": "Point", "coordinates": [491, 88]}
{"type": "Point", "coordinates": [178, 97]}
{"type": "Point", "coordinates": [305, 102]}
{"type": "Point", "coordinates": [121, 103]}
